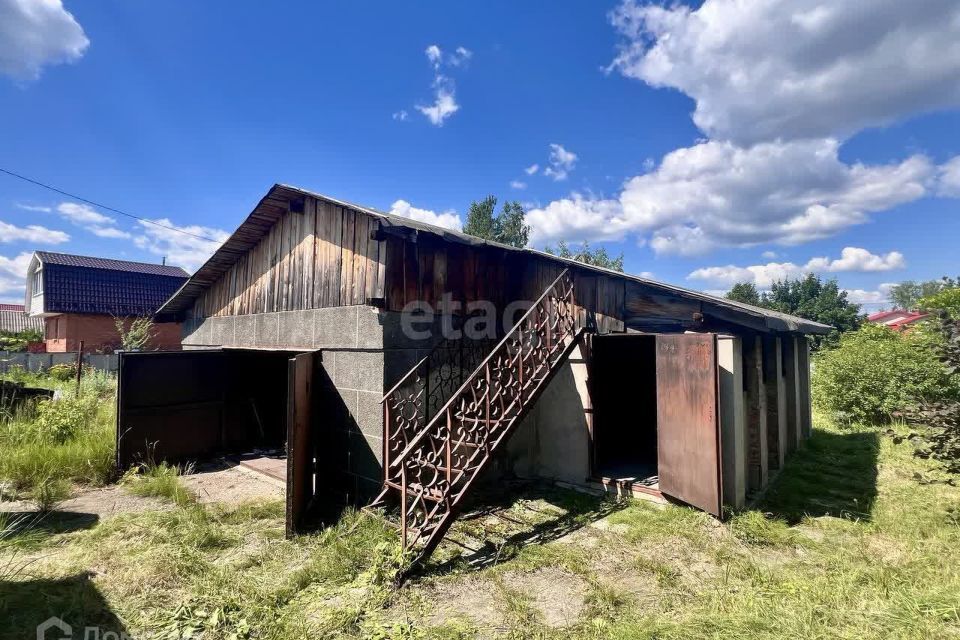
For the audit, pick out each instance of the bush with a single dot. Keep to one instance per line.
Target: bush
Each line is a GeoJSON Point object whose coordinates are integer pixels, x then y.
{"type": "Point", "coordinates": [876, 371]}
{"type": "Point", "coordinates": [61, 419]}
{"type": "Point", "coordinates": [947, 300]}
{"type": "Point", "coordinates": [62, 372]}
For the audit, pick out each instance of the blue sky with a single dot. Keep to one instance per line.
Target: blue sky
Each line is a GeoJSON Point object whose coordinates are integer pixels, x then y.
{"type": "Point", "coordinates": [710, 143]}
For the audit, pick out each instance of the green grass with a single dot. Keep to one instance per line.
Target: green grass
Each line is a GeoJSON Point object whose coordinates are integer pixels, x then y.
{"type": "Point", "coordinates": [857, 538]}
{"type": "Point", "coordinates": [158, 481]}
{"type": "Point", "coordinates": [73, 443]}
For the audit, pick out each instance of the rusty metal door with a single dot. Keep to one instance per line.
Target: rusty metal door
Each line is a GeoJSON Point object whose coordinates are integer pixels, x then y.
{"type": "Point", "coordinates": [688, 434]}
{"type": "Point", "coordinates": [300, 445]}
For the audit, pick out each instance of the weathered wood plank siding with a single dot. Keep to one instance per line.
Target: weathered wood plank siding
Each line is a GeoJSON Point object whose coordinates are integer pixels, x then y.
{"type": "Point", "coordinates": [322, 257]}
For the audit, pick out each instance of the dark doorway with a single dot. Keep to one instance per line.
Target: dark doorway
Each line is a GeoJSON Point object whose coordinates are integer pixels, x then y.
{"type": "Point", "coordinates": [623, 377]}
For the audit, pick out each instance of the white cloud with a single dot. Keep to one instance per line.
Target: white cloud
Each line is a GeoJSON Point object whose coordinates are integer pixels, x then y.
{"type": "Point", "coordinates": [16, 266]}
{"type": "Point", "coordinates": [769, 255]}
{"type": "Point", "coordinates": [90, 219]}
{"type": "Point", "coordinates": [532, 169]}
{"type": "Point", "coordinates": [518, 184]}
{"type": "Point", "coordinates": [82, 214]}
{"type": "Point", "coordinates": [180, 249]}
{"type": "Point", "coordinates": [444, 90]}
{"type": "Point", "coordinates": [400, 115]}
{"type": "Point", "coordinates": [31, 233]}
{"type": "Point", "coordinates": [444, 104]}
{"type": "Point", "coordinates": [34, 207]}
{"type": "Point", "coordinates": [37, 33]}
{"type": "Point", "coordinates": [447, 219]}
{"type": "Point", "coordinates": [763, 275]}
{"type": "Point", "coordinates": [561, 162]}
{"type": "Point", "coordinates": [574, 219]}
{"type": "Point", "coordinates": [949, 179]}
{"type": "Point", "coordinates": [434, 55]}
{"type": "Point", "coordinates": [788, 69]}
{"type": "Point", "coordinates": [862, 296]}
{"type": "Point", "coordinates": [719, 194]}
{"type": "Point", "coordinates": [109, 232]}
{"type": "Point", "coordinates": [13, 275]}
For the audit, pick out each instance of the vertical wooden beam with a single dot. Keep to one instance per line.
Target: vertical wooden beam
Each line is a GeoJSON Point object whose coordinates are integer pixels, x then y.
{"type": "Point", "coordinates": [756, 402]}
{"type": "Point", "coordinates": [792, 389]}
{"type": "Point", "coordinates": [803, 371]}
{"type": "Point", "coordinates": [776, 410]}
{"type": "Point", "coordinates": [733, 428]}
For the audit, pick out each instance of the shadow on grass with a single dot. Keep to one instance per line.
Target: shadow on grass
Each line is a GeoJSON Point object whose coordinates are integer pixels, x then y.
{"type": "Point", "coordinates": [25, 604]}
{"type": "Point", "coordinates": [833, 474]}
{"type": "Point", "coordinates": [571, 511]}
{"type": "Point", "coordinates": [49, 522]}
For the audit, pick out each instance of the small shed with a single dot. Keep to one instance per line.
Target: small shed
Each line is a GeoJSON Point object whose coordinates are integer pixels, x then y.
{"type": "Point", "coordinates": [402, 362]}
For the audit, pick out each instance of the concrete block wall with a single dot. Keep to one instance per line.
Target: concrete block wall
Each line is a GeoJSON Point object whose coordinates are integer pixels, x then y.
{"type": "Point", "coordinates": [364, 353]}
{"type": "Point", "coordinates": [42, 361]}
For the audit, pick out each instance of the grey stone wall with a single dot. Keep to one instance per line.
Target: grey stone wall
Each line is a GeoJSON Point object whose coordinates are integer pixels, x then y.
{"type": "Point", "coordinates": [364, 352]}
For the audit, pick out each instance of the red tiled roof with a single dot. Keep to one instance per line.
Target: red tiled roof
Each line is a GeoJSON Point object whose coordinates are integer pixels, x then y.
{"type": "Point", "coordinates": [11, 307]}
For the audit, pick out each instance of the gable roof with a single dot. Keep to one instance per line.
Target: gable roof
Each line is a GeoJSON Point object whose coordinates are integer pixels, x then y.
{"type": "Point", "coordinates": [86, 284]}
{"type": "Point", "coordinates": [277, 202]}
{"type": "Point", "coordinates": [90, 262]}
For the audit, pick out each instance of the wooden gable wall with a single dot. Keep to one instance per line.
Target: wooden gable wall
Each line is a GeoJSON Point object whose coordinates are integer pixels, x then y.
{"type": "Point", "coordinates": [323, 257]}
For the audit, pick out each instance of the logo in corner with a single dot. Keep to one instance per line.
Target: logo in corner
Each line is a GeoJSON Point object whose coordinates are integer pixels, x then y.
{"type": "Point", "coordinates": [54, 623]}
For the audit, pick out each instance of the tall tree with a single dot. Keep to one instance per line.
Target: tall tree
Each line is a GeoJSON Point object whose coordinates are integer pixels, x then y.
{"type": "Point", "coordinates": [509, 227]}
{"type": "Point", "coordinates": [745, 292]}
{"type": "Point", "coordinates": [597, 257]}
{"type": "Point", "coordinates": [506, 228]}
{"type": "Point", "coordinates": [906, 295]}
{"type": "Point", "coordinates": [480, 218]}
{"type": "Point", "coordinates": [811, 298]}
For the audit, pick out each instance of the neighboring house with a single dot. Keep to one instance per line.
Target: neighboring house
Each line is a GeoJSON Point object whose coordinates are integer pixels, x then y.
{"type": "Point", "coordinates": [79, 299]}
{"type": "Point", "coordinates": [13, 319]}
{"type": "Point", "coordinates": [300, 324]}
{"type": "Point", "coordinates": [896, 319]}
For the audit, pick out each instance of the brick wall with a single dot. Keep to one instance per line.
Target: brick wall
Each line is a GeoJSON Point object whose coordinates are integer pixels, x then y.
{"type": "Point", "coordinates": [99, 333]}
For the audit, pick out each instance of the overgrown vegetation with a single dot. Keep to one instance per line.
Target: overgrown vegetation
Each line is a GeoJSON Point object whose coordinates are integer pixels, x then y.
{"type": "Point", "coordinates": [158, 481]}
{"type": "Point", "coordinates": [875, 372]}
{"type": "Point", "coordinates": [48, 445]}
{"type": "Point", "coordinates": [18, 340]}
{"type": "Point", "coordinates": [135, 333]}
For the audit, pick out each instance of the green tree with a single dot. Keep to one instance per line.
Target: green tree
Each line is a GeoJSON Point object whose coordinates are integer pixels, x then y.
{"type": "Point", "coordinates": [508, 227]}
{"type": "Point", "coordinates": [745, 292]}
{"type": "Point", "coordinates": [907, 294]}
{"type": "Point", "coordinates": [480, 218]}
{"type": "Point", "coordinates": [597, 257]}
{"type": "Point", "coordinates": [813, 299]}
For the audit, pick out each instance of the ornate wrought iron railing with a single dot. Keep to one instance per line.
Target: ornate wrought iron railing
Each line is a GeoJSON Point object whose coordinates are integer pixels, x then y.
{"type": "Point", "coordinates": [435, 467]}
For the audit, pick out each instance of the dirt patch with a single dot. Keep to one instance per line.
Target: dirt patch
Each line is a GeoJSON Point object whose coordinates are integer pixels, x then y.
{"type": "Point", "coordinates": [559, 596]}
{"type": "Point", "coordinates": [233, 485]}
{"type": "Point", "coordinates": [103, 503]}
{"type": "Point", "coordinates": [472, 600]}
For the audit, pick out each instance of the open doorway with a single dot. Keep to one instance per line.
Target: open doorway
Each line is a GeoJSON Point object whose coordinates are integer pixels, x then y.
{"type": "Point", "coordinates": [655, 409]}
{"type": "Point", "coordinates": [624, 390]}
{"type": "Point", "coordinates": [252, 407]}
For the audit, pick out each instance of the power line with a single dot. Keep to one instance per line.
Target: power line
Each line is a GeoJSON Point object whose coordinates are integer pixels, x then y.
{"type": "Point", "coordinates": [103, 206]}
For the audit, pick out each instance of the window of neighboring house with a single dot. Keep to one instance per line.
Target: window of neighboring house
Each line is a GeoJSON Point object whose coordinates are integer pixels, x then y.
{"type": "Point", "coordinates": [37, 282]}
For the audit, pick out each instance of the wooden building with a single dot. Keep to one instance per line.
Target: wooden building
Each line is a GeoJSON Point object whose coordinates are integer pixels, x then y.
{"type": "Point", "coordinates": [298, 331]}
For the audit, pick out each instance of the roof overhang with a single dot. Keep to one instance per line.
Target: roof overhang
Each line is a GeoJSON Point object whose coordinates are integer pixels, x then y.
{"type": "Point", "coordinates": [280, 198]}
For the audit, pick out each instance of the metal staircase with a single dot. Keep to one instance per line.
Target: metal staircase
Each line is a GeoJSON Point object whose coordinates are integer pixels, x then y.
{"type": "Point", "coordinates": [448, 416]}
